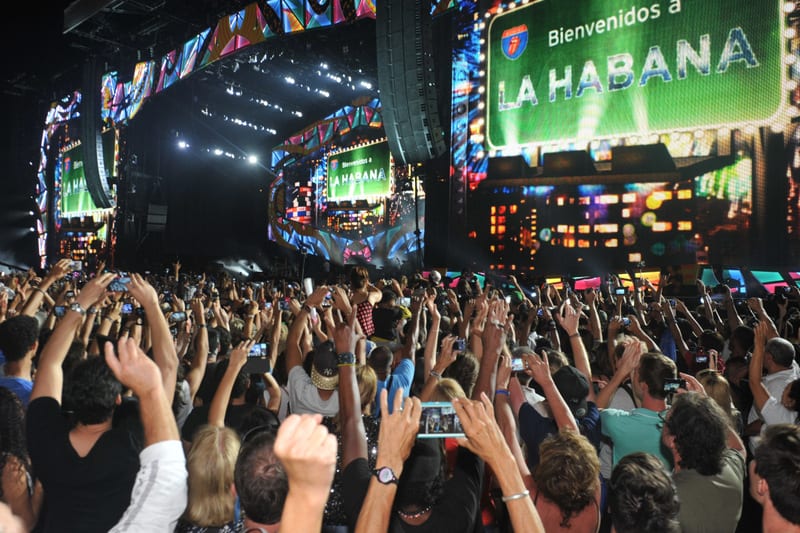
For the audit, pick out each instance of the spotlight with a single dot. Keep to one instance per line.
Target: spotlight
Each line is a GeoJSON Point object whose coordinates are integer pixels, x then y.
{"type": "Point", "coordinates": [217, 151]}
{"type": "Point", "coordinates": [252, 160]}
{"type": "Point", "coordinates": [31, 229]}
{"type": "Point", "coordinates": [183, 145]}
{"type": "Point", "coordinates": [30, 213]}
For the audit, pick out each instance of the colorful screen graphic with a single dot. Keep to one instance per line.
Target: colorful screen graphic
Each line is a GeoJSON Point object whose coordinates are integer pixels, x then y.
{"type": "Point", "coordinates": [360, 173]}
{"type": "Point", "coordinates": [612, 67]}
{"type": "Point", "coordinates": [75, 198]}
{"type": "Point", "coordinates": [602, 227]}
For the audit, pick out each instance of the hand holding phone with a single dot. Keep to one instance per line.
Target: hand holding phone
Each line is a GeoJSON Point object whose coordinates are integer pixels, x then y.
{"type": "Point", "coordinates": [439, 420]}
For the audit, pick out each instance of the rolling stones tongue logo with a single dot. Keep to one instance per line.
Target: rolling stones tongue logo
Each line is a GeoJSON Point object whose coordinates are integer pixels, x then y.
{"type": "Point", "coordinates": [514, 41]}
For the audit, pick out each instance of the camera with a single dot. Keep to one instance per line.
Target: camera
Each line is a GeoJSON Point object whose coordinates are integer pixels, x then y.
{"type": "Point", "coordinates": [460, 345]}
{"type": "Point", "coordinates": [517, 365]}
{"type": "Point", "coordinates": [671, 385]}
{"type": "Point", "coordinates": [178, 316]}
{"type": "Point", "coordinates": [439, 420]}
{"type": "Point", "coordinates": [127, 308]}
{"type": "Point", "coordinates": [621, 291]}
{"type": "Point", "coordinates": [258, 359]}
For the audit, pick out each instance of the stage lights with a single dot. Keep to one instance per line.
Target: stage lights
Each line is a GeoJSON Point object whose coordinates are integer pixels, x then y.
{"type": "Point", "coordinates": [183, 145]}
{"type": "Point", "coordinates": [252, 159]}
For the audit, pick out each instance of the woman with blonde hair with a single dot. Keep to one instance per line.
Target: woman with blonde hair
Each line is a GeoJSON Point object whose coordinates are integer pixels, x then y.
{"type": "Point", "coordinates": [718, 388]}
{"type": "Point", "coordinates": [211, 463]}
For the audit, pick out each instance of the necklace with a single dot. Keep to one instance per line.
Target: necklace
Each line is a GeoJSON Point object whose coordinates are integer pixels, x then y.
{"type": "Point", "coordinates": [415, 516]}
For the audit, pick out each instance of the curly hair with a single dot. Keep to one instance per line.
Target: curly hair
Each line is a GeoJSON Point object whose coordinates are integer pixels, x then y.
{"type": "Point", "coordinates": [642, 496]}
{"type": "Point", "coordinates": [568, 472]}
{"type": "Point", "coordinates": [18, 335]}
{"type": "Point", "coordinates": [699, 426]}
{"type": "Point", "coordinates": [12, 433]}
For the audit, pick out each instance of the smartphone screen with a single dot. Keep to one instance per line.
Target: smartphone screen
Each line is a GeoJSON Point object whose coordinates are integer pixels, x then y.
{"type": "Point", "coordinates": [127, 308]}
{"type": "Point", "coordinates": [517, 364]}
{"type": "Point", "coordinates": [59, 310]}
{"type": "Point", "coordinates": [439, 420]}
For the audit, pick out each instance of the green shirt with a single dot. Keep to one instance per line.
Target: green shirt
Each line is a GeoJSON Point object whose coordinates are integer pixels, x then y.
{"type": "Point", "coordinates": [638, 430]}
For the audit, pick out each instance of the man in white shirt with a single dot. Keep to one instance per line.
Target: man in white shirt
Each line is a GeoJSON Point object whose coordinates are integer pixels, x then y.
{"type": "Point", "coordinates": [781, 370]}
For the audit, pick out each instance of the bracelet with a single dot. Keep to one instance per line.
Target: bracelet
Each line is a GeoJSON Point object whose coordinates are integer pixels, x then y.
{"type": "Point", "coordinates": [518, 496]}
{"type": "Point", "coordinates": [39, 289]}
{"type": "Point", "coordinates": [306, 308]}
{"type": "Point", "coordinates": [574, 335]}
{"type": "Point", "coordinates": [435, 374]}
{"type": "Point", "coordinates": [501, 391]}
{"type": "Point", "coordinates": [91, 311]}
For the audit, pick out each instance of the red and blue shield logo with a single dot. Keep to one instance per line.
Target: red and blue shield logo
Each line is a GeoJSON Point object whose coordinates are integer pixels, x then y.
{"type": "Point", "coordinates": [514, 41]}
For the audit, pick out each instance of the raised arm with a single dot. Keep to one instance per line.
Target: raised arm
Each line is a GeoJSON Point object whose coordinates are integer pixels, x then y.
{"type": "Point", "coordinates": [485, 439]}
{"type": "Point", "coordinates": [49, 375]}
{"type": "Point", "coordinates": [624, 367]}
{"type": "Point", "coordinates": [39, 293]}
{"type": "Point", "coordinates": [757, 387]}
{"type": "Point", "coordinates": [164, 352]}
{"type": "Point", "coordinates": [222, 396]}
{"type": "Point", "coordinates": [160, 493]}
{"type": "Point", "coordinates": [538, 368]}
{"type": "Point", "coordinates": [307, 453]}
{"type": "Point", "coordinates": [200, 355]}
{"type": "Point", "coordinates": [435, 374]}
{"type": "Point", "coordinates": [354, 437]}
{"type": "Point", "coordinates": [395, 440]}
{"type": "Point", "coordinates": [569, 318]}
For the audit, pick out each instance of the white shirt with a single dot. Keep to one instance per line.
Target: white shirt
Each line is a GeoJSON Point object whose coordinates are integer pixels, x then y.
{"type": "Point", "coordinates": [160, 493]}
{"type": "Point", "coordinates": [304, 396]}
{"type": "Point", "coordinates": [775, 384]}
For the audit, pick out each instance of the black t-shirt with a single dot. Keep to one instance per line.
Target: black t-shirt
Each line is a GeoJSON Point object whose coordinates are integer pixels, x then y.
{"type": "Point", "coordinates": [457, 509]}
{"type": "Point", "coordinates": [82, 494]}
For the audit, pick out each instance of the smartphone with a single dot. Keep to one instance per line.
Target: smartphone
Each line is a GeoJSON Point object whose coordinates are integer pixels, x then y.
{"type": "Point", "coordinates": [167, 295]}
{"type": "Point", "coordinates": [179, 316]}
{"type": "Point", "coordinates": [700, 359]}
{"type": "Point", "coordinates": [439, 420]}
{"type": "Point", "coordinates": [508, 300]}
{"type": "Point", "coordinates": [626, 322]}
{"type": "Point", "coordinates": [517, 365]}
{"type": "Point", "coordinates": [139, 311]}
{"type": "Point", "coordinates": [308, 286]}
{"type": "Point", "coordinates": [127, 308]}
{"type": "Point", "coordinates": [284, 305]}
{"type": "Point", "coordinates": [673, 302]}
{"type": "Point", "coordinates": [621, 291]}
{"type": "Point", "coordinates": [76, 266]}
{"type": "Point", "coordinates": [59, 310]}
{"type": "Point", "coordinates": [267, 305]}
{"type": "Point", "coordinates": [69, 294]}
{"type": "Point", "coordinates": [671, 385]}
{"type": "Point", "coordinates": [540, 312]}
{"type": "Point", "coordinates": [258, 359]}
{"type": "Point", "coordinates": [120, 284]}
{"type": "Point", "coordinates": [460, 345]}
{"type": "Point", "coordinates": [404, 302]}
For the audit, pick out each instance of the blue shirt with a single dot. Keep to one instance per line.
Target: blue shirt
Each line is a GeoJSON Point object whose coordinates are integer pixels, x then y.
{"type": "Point", "coordinates": [402, 376]}
{"type": "Point", "coordinates": [19, 386]}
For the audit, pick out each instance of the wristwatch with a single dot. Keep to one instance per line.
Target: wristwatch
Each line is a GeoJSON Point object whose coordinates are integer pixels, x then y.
{"type": "Point", "coordinates": [346, 358]}
{"type": "Point", "coordinates": [75, 306]}
{"type": "Point", "coordinates": [385, 475]}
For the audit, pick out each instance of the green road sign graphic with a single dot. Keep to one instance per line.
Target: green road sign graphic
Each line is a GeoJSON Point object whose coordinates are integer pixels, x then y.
{"type": "Point", "coordinates": [601, 68]}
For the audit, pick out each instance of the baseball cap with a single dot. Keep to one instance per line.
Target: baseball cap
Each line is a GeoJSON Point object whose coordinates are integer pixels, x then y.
{"type": "Point", "coordinates": [574, 387]}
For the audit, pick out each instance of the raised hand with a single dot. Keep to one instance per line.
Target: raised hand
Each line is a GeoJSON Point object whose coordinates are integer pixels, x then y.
{"type": "Point", "coordinates": [132, 367]}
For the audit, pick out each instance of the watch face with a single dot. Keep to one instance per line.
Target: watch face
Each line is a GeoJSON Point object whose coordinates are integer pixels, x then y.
{"type": "Point", "coordinates": [385, 475]}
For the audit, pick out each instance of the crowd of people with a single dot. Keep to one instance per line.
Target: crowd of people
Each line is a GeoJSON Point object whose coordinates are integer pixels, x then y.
{"type": "Point", "coordinates": [193, 402]}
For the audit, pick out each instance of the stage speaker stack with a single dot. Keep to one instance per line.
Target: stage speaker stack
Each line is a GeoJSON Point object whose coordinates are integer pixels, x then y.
{"type": "Point", "coordinates": [407, 81]}
{"type": "Point", "coordinates": [91, 139]}
{"type": "Point", "coordinates": [156, 218]}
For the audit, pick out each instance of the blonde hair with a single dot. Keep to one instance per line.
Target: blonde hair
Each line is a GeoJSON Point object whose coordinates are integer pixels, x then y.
{"type": "Point", "coordinates": [719, 390]}
{"type": "Point", "coordinates": [446, 390]}
{"type": "Point", "coordinates": [210, 463]}
{"type": "Point", "coordinates": [367, 387]}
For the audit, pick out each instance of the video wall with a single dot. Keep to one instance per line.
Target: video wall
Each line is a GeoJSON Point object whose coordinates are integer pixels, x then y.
{"type": "Point", "coordinates": [349, 203]}
{"type": "Point", "coordinates": [714, 82]}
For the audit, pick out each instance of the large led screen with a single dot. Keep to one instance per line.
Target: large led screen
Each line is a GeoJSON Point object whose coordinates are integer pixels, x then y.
{"type": "Point", "coordinates": [75, 198]}
{"type": "Point", "coordinates": [560, 71]}
{"type": "Point", "coordinates": [360, 173]}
